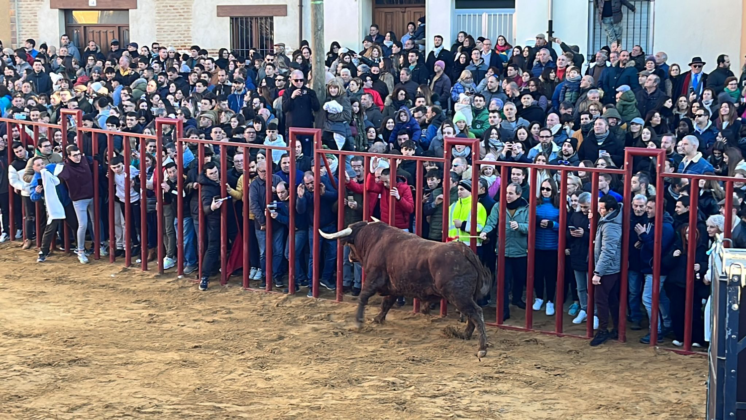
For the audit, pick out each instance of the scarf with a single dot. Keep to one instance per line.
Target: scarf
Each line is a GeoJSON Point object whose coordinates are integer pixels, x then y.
{"type": "Point", "coordinates": [490, 179]}
{"type": "Point", "coordinates": [586, 128]}
{"type": "Point", "coordinates": [463, 154]}
{"type": "Point", "coordinates": [515, 204]}
{"type": "Point", "coordinates": [388, 43]}
{"type": "Point", "coordinates": [496, 144]}
{"type": "Point", "coordinates": [734, 94]}
{"type": "Point", "coordinates": [601, 138]}
{"type": "Point", "coordinates": [436, 51]}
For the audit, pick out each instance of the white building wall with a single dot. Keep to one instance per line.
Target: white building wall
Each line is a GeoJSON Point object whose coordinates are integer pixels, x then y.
{"type": "Point", "coordinates": [51, 24]}
{"type": "Point", "coordinates": [142, 23]}
{"type": "Point", "coordinates": [343, 23]}
{"type": "Point", "coordinates": [570, 19]}
{"type": "Point", "coordinates": [531, 17]}
{"type": "Point", "coordinates": [708, 29]}
{"type": "Point", "coordinates": [439, 21]}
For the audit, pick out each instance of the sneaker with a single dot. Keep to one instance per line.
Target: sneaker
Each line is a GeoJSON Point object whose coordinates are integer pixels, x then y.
{"type": "Point", "coordinates": [550, 309]}
{"type": "Point", "coordinates": [697, 345]}
{"type": "Point", "coordinates": [310, 292]}
{"type": "Point", "coordinates": [88, 252]}
{"type": "Point", "coordinates": [4, 237]}
{"type": "Point", "coordinates": [665, 332]}
{"type": "Point", "coordinates": [278, 283]}
{"type": "Point", "coordinates": [203, 284]}
{"type": "Point", "coordinates": [635, 325]}
{"type": "Point", "coordinates": [263, 285]}
{"type": "Point", "coordinates": [678, 343]}
{"type": "Point", "coordinates": [258, 275]}
{"type": "Point", "coordinates": [287, 289]}
{"type": "Point", "coordinates": [519, 304]}
{"type": "Point", "coordinates": [103, 251]}
{"type": "Point", "coordinates": [19, 234]}
{"type": "Point", "coordinates": [614, 334]}
{"type": "Point", "coordinates": [356, 291]}
{"type": "Point", "coordinates": [595, 322]}
{"type": "Point", "coordinates": [328, 284]}
{"type": "Point", "coordinates": [41, 258]}
{"type": "Point", "coordinates": [252, 273]}
{"type": "Point", "coordinates": [582, 315]}
{"type": "Point", "coordinates": [646, 339]}
{"type": "Point", "coordinates": [189, 269]}
{"type": "Point", "coordinates": [81, 257]}
{"type": "Point", "coordinates": [600, 338]}
{"type": "Point", "coordinates": [574, 309]}
{"type": "Point", "coordinates": [537, 304]}
{"type": "Point", "coordinates": [168, 263]}
{"type": "Point", "coordinates": [119, 253]}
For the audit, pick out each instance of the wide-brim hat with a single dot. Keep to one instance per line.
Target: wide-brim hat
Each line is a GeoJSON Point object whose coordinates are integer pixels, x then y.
{"type": "Point", "coordinates": [697, 60]}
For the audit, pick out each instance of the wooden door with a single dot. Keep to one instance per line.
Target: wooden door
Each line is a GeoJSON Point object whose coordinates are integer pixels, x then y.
{"type": "Point", "coordinates": [102, 35]}
{"type": "Point", "coordinates": [396, 18]}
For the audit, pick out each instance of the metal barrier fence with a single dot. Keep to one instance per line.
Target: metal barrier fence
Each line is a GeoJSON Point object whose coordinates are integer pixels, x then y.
{"type": "Point", "coordinates": [89, 139]}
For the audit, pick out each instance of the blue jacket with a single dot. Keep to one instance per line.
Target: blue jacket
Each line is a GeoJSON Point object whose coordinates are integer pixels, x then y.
{"type": "Point", "coordinates": [411, 126]}
{"type": "Point", "coordinates": [326, 217]}
{"type": "Point", "coordinates": [698, 165]}
{"type": "Point", "coordinates": [547, 238]}
{"type": "Point", "coordinates": [648, 242]}
{"type": "Point", "coordinates": [235, 100]}
{"type": "Point", "coordinates": [62, 193]}
{"type": "Point", "coordinates": [707, 137]}
{"type": "Point", "coordinates": [611, 193]}
{"type": "Point", "coordinates": [286, 177]}
{"type": "Point", "coordinates": [283, 214]}
{"type": "Point", "coordinates": [556, 96]}
{"type": "Point", "coordinates": [539, 68]}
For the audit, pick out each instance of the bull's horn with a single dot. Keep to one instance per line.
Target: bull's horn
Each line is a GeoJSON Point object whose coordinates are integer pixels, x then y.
{"type": "Point", "coordinates": [341, 234]}
{"type": "Point", "coordinates": [374, 219]}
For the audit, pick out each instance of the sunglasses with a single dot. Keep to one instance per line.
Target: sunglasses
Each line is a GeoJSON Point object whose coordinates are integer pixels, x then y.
{"type": "Point", "coordinates": [297, 80]}
{"type": "Point", "coordinates": [697, 66]}
{"type": "Point", "coordinates": [546, 189]}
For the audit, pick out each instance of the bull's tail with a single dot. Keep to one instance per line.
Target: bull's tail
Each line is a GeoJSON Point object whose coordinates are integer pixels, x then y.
{"type": "Point", "coordinates": [483, 274]}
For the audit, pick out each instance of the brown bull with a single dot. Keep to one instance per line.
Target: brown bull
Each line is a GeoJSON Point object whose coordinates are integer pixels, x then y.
{"type": "Point", "coordinates": [398, 263]}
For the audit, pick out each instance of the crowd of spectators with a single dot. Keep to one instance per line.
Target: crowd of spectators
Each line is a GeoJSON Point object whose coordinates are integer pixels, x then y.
{"type": "Point", "coordinates": [538, 104]}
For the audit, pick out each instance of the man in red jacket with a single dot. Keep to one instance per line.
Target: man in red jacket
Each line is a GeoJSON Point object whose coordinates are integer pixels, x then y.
{"type": "Point", "coordinates": [404, 204]}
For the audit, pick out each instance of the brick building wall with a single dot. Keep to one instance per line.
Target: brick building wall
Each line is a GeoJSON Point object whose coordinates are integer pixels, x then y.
{"type": "Point", "coordinates": [173, 23]}
{"type": "Point", "coordinates": [27, 21]}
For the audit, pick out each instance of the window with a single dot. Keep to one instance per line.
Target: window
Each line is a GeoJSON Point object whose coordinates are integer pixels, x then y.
{"type": "Point", "coordinates": [252, 32]}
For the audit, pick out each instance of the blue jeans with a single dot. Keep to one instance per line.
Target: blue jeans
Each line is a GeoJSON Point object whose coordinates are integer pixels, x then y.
{"type": "Point", "coordinates": [581, 281]}
{"type": "Point", "coordinates": [301, 237]}
{"type": "Point", "coordinates": [327, 248]}
{"type": "Point", "coordinates": [353, 272]}
{"type": "Point", "coordinates": [635, 281]}
{"type": "Point", "coordinates": [189, 242]}
{"type": "Point", "coordinates": [278, 244]}
{"type": "Point", "coordinates": [664, 304]}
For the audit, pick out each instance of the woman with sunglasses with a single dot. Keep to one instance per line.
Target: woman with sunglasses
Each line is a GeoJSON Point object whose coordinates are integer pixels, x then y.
{"type": "Point", "coordinates": [547, 239]}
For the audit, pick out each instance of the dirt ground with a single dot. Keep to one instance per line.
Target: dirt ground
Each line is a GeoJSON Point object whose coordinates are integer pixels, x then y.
{"type": "Point", "coordinates": [104, 342]}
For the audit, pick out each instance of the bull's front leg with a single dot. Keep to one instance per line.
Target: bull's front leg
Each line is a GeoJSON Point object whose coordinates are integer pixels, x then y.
{"type": "Point", "coordinates": [365, 294]}
{"type": "Point", "coordinates": [386, 305]}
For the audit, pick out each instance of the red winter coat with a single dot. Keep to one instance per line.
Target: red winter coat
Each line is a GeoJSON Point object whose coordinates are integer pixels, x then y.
{"type": "Point", "coordinates": [404, 206]}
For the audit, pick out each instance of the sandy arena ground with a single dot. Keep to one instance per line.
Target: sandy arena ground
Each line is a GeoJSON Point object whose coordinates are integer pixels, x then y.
{"type": "Point", "coordinates": [103, 342]}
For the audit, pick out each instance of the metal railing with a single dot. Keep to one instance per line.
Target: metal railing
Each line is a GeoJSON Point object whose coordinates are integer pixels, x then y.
{"type": "Point", "coordinates": [489, 23]}
{"type": "Point", "coordinates": [637, 27]}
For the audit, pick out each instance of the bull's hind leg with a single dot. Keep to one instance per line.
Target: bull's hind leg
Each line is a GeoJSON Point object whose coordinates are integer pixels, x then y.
{"type": "Point", "coordinates": [386, 305]}
{"type": "Point", "coordinates": [476, 319]}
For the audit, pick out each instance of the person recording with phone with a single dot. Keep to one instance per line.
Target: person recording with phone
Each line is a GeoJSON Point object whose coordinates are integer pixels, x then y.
{"type": "Point", "coordinates": [258, 206]}
{"type": "Point", "coordinates": [211, 202]}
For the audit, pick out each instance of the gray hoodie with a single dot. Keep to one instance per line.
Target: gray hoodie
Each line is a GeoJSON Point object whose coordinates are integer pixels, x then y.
{"type": "Point", "coordinates": [607, 248]}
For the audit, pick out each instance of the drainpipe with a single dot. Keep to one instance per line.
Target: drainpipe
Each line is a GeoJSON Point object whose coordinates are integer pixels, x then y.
{"type": "Point", "coordinates": [550, 30]}
{"type": "Point", "coordinates": [300, 22]}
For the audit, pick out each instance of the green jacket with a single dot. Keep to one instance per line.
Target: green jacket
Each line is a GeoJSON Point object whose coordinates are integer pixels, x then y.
{"type": "Point", "coordinates": [435, 213]}
{"type": "Point", "coordinates": [480, 123]}
{"type": "Point", "coordinates": [627, 106]}
{"type": "Point", "coordinates": [461, 210]}
{"type": "Point", "coordinates": [516, 241]}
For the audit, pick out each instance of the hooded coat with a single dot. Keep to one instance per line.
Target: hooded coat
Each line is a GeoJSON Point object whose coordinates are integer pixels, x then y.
{"type": "Point", "coordinates": [627, 106]}
{"type": "Point", "coordinates": [608, 244]}
{"type": "Point", "coordinates": [411, 125]}
{"type": "Point", "coordinates": [404, 206]}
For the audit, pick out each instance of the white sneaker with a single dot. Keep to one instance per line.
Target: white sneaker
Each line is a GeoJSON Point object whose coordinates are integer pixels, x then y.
{"type": "Point", "coordinates": [19, 234]}
{"type": "Point", "coordinates": [582, 316]}
{"type": "Point", "coordinates": [595, 322]}
{"type": "Point", "coordinates": [537, 304]}
{"type": "Point", "coordinates": [168, 263]}
{"type": "Point", "coordinates": [259, 274]}
{"type": "Point", "coordinates": [550, 308]}
{"type": "Point", "coordinates": [252, 273]}
{"type": "Point", "coordinates": [4, 237]}
{"type": "Point", "coordinates": [81, 257]}
{"type": "Point", "coordinates": [678, 343]}
{"type": "Point", "coordinates": [697, 345]}
{"type": "Point", "coordinates": [103, 251]}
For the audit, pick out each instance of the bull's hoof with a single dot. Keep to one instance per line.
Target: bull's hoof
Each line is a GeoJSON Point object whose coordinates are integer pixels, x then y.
{"type": "Point", "coordinates": [481, 354]}
{"type": "Point", "coordinates": [358, 323]}
{"type": "Point", "coordinates": [379, 320]}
